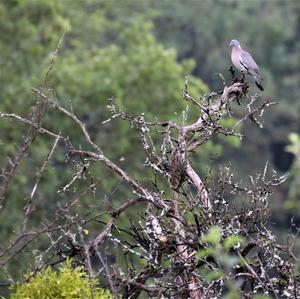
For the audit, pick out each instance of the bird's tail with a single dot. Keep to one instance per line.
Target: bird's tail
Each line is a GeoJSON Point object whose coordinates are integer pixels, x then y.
{"type": "Point", "coordinates": [258, 81]}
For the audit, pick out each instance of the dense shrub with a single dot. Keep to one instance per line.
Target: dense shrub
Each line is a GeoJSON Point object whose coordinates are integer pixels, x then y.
{"type": "Point", "coordinates": [67, 283]}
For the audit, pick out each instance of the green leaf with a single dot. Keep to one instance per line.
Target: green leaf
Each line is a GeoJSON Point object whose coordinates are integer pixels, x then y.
{"type": "Point", "coordinates": [213, 236]}
{"type": "Point", "coordinates": [206, 252]}
{"type": "Point", "coordinates": [213, 275]}
{"type": "Point", "coordinates": [233, 240]}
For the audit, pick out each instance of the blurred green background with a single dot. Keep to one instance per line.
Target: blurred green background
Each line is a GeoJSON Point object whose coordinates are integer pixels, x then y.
{"type": "Point", "coordinates": [139, 52]}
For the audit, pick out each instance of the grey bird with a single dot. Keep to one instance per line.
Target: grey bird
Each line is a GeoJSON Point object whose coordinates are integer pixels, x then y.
{"type": "Point", "coordinates": [244, 62]}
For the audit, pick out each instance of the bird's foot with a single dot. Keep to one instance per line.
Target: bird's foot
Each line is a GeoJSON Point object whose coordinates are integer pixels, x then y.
{"type": "Point", "coordinates": [231, 70]}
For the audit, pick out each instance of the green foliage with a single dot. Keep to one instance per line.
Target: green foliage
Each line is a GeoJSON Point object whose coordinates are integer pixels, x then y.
{"type": "Point", "coordinates": [294, 177]}
{"type": "Point", "coordinates": [233, 141]}
{"type": "Point", "coordinates": [232, 241]}
{"type": "Point", "coordinates": [219, 249]}
{"type": "Point", "coordinates": [213, 236]}
{"type": "Point", "coordinates": [213, 275]}
{"type": "Point", "coordinates": [67, 283]}
{"type": "Point", "coordinates": [30, 31]}
{"type": "Point", "coordinates": [294, 146]}
{"type": "Point", "coordinates": [109, 51]}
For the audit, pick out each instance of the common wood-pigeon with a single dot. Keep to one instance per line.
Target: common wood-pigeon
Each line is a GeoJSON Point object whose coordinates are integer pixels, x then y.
{"type": "Point", "coordinates": [244, 62]}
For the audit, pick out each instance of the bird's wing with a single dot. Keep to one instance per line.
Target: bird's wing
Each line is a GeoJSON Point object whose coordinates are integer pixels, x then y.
{"type": "Point", "coordinates": [248, 63]}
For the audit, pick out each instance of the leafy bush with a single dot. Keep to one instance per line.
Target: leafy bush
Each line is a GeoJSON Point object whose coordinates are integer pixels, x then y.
{"type": "Point", "coordinates": [67, 283]}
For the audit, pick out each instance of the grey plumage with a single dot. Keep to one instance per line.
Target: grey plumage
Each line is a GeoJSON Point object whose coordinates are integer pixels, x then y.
{"type": "Point", "coordinates": [244, 62]}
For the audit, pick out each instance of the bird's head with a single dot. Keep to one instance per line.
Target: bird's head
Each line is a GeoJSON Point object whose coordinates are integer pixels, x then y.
{"type": "Point", "coordinates": [235, 43]}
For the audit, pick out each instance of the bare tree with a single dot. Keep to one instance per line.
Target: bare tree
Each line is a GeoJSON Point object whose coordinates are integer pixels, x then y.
{"type": "Point", "coordinates": [195, 237]}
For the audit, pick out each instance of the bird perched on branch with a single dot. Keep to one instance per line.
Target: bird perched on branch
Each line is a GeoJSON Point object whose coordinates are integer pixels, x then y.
{"type": "Point", "coordinates": [244, 62]}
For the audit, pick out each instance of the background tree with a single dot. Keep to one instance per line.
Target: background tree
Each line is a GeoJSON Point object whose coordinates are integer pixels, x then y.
{"type": "Point", "coordinates": [127, 63]}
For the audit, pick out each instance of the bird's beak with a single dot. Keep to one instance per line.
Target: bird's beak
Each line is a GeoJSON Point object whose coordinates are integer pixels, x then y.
{"type": "Point", "coordinates": [230, 44]}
